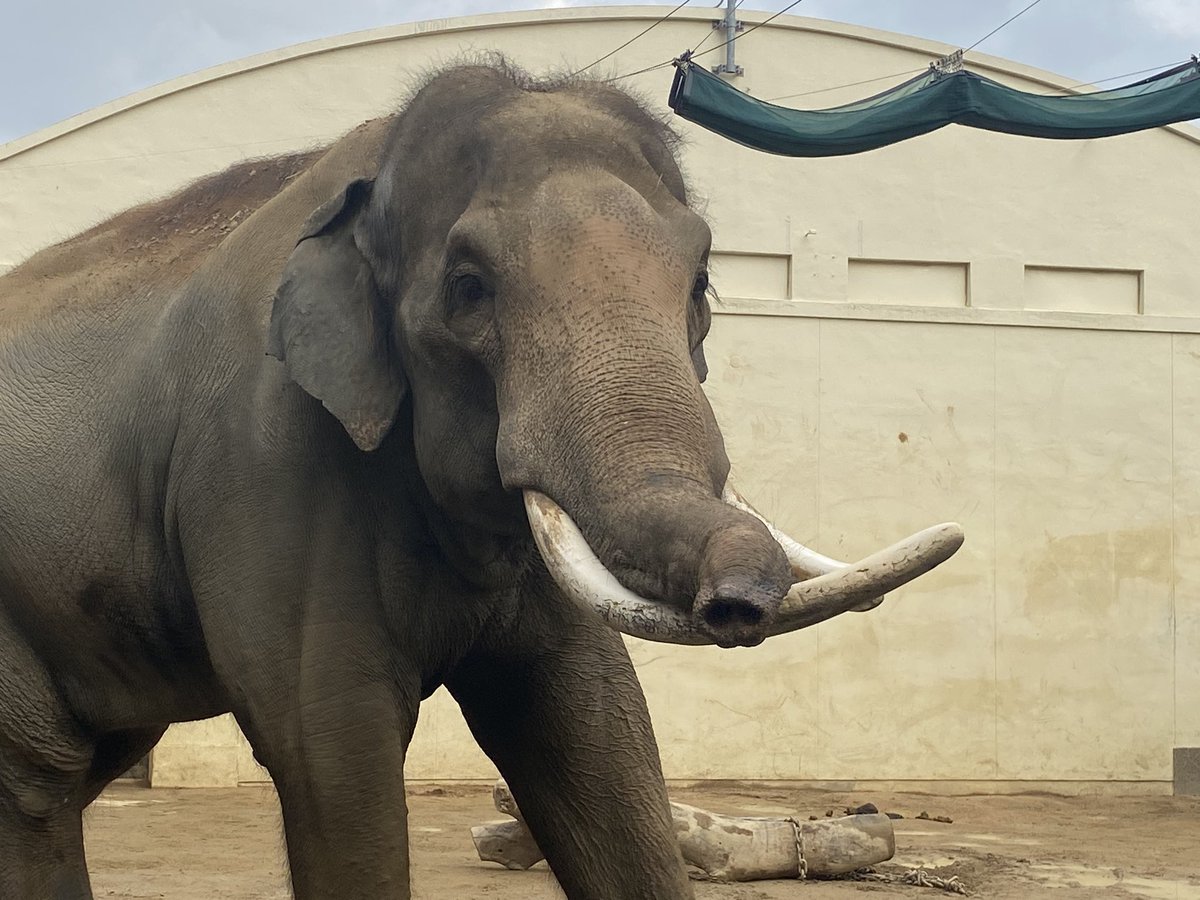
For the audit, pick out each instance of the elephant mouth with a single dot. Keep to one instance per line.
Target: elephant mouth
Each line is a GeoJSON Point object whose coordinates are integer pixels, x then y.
{"type": "Point", "coordinates": [824, 588]}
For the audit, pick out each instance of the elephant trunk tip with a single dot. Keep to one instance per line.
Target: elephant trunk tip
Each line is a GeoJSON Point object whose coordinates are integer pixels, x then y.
{"type": "Point", "coordinates": [744, 577]}
{"type": "Point", "coordinates": [731, 616]}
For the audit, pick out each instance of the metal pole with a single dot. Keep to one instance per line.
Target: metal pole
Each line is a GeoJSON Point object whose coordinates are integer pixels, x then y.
{"type": "Point", "coordinates": [730, 26]}
{"type": "Point", "coordinates": [730, 34]}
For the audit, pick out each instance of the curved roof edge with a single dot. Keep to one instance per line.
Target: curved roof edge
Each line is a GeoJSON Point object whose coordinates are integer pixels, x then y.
{"type": "Point", "coordinates": [390, 33]}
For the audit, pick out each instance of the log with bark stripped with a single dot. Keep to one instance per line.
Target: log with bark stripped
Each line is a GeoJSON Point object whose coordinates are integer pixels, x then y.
{"type": "Point", "coordinates": [726, 848]}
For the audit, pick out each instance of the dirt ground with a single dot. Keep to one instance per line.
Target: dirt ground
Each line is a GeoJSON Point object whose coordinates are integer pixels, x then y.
{"type": "Point", "coordinates": [227, 845]}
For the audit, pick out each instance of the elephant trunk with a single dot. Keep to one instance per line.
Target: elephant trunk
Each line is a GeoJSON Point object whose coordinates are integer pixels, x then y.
{"type": "Point", "coordinates": [633, 455]}
{"type": "Point", "coordinates": [687, 548]}
{"type": "Point", "coordinates": [604, 427]}
{"type": "Point", "coordinates": [624, 474]}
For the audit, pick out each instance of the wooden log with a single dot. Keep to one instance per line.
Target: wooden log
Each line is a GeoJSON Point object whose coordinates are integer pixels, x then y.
{"type": "Point", "coordinates": [726, 848]}
{"type": "Point", "coordinates": [508, 843]}
{"type": "Point", "coordinates": [733, 848]}
{"type": "Point", "coordinates": [504, 801]}
{"type": "Point", "coordinates": [839, 845]}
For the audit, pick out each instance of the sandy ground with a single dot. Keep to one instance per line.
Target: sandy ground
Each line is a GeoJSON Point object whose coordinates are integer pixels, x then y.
{"type": "Point", "coordinates": [227, 845]}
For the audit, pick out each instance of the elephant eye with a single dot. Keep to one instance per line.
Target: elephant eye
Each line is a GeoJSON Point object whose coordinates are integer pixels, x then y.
{"type": "Point", "coordinates": [469, 290]}
{"type": "Point", "coordinates": [700, 286]}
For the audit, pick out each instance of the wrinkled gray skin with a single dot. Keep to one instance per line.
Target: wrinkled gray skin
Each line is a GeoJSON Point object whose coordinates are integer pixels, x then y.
{"type": "Point", "coordinates": [290, 488]}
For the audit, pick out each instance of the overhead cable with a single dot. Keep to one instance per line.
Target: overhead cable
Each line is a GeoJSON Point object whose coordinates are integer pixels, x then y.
{"type": "Point", "coordinates": [995, 30]}
{"type": "Point", "coordinates": [749, 31]}
{"type": "Point", "coordinates": [837, 87]}
{"type": "Point", "coordinates": [644, 31]}
{"type": "Point", "coordinates": [705, 41]}
{"type": "Point", "coordinates": [1130, 74]}
{"type": "Point", "coordinates": [720, 46]}
{"type": "Point", "coordinates": [1004, 24]}
{"type": "Point", "coordinates": [1072, 87]}
{"type": "Point", "coordinates": [661, 65]}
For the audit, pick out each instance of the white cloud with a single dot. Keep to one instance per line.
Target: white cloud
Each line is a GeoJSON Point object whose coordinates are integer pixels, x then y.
{"type": "Point", "coordinates": [1175, 17]}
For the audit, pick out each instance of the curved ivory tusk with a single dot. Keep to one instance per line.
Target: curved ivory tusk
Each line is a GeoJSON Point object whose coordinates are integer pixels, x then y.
{"type": "Point", "coordinates": [588, 582]}
{"type": "Point", "coordinates": [866, 581]}
{"type": "Point", "coordinates": [585, 579]}
{"type": "Point", "coordinates": [805, 562]}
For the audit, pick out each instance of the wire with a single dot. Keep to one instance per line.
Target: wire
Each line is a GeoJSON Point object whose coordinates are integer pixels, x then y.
{"type": "Point", "coordinates": [668, 62]}
{"type": "Point", "coordinates": [850, 84]}
{"type": "Point", "coordinates": [995, 30]}
{"type": "Point", "coordinates": [751, 30]}
{"type": "Point", "coordinates": [1128, 75]}
{"type": "Point", "coordinates": [792, 6]}
{"type": "Point", "coordinates": [646, 30]}
{"type": "Point", "coordinates": [1002, 25]}
{"type": "Point", "coordinates": [706, 39]}
{"type": "Point", "coordinates": [664, 63]}
{"type": "Point", "coordinates": [1071, 87]}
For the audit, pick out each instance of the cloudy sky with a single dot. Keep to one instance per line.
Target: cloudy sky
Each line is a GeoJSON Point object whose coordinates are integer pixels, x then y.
{"type": "Point", "coordinates": [63, 57]}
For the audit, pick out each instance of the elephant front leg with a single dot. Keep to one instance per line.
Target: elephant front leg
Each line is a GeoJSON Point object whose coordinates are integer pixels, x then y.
{"type": "Point", "coordinates": [338, 767]}
{"type": "Point", "coordinates": [557, 707]}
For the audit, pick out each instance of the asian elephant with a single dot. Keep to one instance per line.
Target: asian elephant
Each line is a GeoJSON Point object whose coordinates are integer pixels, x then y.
{"type": "Point", "coordinates": [301, 474]}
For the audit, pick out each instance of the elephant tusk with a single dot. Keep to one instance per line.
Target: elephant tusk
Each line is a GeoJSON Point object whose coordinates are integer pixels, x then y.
{"type": "Point", "coordinates": [587, 581]}
{"type": "Point", "coordinates": [805, 562]}
{"type": "Point", "coordinates": [581, 575]}
{"type": "Point", "coordinates": [861, 585]}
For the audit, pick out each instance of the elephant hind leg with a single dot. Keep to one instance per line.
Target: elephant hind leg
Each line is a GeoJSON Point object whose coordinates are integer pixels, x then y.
{"type": "Point", "coordinates": [41, 856]}
{"type": "Point", "coordinates": [41, 829]}
{"type": "Point", "coordinates": [44, 760]}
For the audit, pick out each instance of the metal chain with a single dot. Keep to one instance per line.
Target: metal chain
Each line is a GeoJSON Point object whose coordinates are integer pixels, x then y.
{"type": "Point", "coordinates": [801, 862]}
{"type": "Point", "coordinates": [921, 878]}
{"type": "Point", "coordinates": [917, 877]}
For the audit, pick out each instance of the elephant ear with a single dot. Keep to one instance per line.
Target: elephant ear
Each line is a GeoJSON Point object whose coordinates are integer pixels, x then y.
{"type": "Point", "coordinates": [699, 363]}
{"type": "Point", "coordinates": [699, 321]}
{"type": "Point", "coordinates": [330, 326]}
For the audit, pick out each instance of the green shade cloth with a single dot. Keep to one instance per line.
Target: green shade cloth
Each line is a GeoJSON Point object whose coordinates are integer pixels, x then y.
{"type": "Point", "coordinates": [928, 102]}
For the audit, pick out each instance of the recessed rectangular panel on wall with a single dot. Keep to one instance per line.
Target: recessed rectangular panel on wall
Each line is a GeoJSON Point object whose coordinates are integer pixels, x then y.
{"type": "Point", "coordinates": [907, 282]}
{"type": "Point", "coordinates": [756, 276]}
{"type": "Point", "coordinates": [1083, 290]}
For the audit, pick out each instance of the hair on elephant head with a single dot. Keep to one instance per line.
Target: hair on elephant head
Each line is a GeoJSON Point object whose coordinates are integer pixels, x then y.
{"type": "Point", "coordinates": [526, 279]}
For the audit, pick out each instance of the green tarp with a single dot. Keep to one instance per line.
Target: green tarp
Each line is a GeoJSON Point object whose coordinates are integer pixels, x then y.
{"type": "Point", "coordinates": [928, 102]}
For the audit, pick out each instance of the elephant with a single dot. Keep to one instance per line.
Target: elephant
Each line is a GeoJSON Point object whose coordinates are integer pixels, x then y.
{"type": "Point", "coordinates": [431, 414]}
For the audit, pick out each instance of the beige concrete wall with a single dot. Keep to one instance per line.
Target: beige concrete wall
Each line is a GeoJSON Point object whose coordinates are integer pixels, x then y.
{"type": "Point", "coordinates": [997, 330]}
{"type": "Point", "coordinates": [1044, 651]}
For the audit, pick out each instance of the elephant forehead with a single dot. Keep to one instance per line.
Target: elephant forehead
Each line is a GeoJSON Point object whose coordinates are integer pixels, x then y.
{"type": "Point", "coordinates": [532, 121]}
{"type": "Point", "coordinates": [536, 135]}
{"type": "Point", "coordinates": [604, 243]}
{"type": "Point", "coordinates": [588, 219]}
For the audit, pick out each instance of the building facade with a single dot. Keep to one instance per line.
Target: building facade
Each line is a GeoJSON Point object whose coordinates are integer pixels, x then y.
{"type": "Point", "coordinates": [972, 326]}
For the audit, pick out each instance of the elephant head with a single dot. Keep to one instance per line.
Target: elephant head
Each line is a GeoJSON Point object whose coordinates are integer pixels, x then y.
{"type": "Point", "coordinates": [525, 278]}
